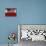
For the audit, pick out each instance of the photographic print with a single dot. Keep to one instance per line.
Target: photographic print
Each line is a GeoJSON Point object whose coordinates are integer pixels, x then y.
{"type": "Point", "coordinates": [10, 11]}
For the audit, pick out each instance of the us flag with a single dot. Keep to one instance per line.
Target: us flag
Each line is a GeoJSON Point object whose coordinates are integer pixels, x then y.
{"type": "Point", "coordinates": [10, 12]}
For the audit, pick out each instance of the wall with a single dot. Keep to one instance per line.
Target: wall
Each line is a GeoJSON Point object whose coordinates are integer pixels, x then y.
{"type": "Point", "coordinates": [28, 12]}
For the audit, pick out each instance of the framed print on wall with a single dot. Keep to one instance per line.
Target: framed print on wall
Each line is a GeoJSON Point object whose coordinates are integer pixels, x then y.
{"type": "Point", "coordinates": [32, 32]}
{"type": "Point", "coordinates": [10, 11]}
